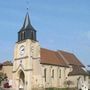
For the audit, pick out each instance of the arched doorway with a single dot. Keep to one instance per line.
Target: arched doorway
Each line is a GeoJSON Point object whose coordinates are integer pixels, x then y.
{"type": "Point", "coordinates": [21, 80]}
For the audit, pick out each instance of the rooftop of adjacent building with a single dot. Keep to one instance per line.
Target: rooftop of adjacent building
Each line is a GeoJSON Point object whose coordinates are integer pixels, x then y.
{"type": "Point", "coordinates": [6, 63]}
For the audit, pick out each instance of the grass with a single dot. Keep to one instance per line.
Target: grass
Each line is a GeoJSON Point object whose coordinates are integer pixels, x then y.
{"type": "Point", "coordinates": [59, 89]}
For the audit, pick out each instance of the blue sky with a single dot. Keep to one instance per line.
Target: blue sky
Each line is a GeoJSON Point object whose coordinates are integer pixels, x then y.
{"type": "Point", "coordinates": [60, 25]}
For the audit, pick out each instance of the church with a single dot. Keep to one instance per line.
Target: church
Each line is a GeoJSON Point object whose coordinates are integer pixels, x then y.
{"type": "Point", "coordinates": [37, 68]}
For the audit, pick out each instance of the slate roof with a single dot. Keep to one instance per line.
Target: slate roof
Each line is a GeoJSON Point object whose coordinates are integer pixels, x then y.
{"type": "Point", "coordinates": [60, 58]}
{"type": "Point", "coordinates": [27, 24]}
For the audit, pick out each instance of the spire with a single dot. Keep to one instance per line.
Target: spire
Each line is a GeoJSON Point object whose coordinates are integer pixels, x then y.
{"type": "Point", "coordinates": [27, 31]}
{"type": "Point", "coordinates": [27, 23]}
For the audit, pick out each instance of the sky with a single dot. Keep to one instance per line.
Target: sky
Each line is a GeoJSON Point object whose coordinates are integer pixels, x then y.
{"type": "Point", "coordinates": [60, 24]}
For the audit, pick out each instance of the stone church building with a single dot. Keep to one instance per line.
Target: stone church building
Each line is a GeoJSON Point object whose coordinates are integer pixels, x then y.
{"type": "Point", "coordinates": [35, 67]}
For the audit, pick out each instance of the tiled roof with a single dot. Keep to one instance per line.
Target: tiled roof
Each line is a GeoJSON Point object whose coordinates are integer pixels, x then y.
{"type": "Point", "coordinates": [7, 63]}
{"type": "Point", "coordinates": [71, 58]}
{"type": "Point", "coordinates": [77, 70]}
{"type": "Point", "coordinates": [60, 58]}
{"type": "Point", "coordinates": [51, 57]}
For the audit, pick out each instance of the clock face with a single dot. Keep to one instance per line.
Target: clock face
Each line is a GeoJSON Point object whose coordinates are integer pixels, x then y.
{"type": "Point", "coordinates": [22, 50]}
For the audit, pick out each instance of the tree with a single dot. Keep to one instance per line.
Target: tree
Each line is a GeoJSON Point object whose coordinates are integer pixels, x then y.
{"type": "Point", "coordinates": [2, 77]}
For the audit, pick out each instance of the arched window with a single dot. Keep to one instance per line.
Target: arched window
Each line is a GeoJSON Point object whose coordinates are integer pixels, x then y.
{"type": "Point", "coordinates": [60, 73]}
{"type": "Point", "coordinates": [52, 73]}
{"type": "Point", "coordinates": [45, 74]}
{"type": "Point", "coordinates": [84, 78]}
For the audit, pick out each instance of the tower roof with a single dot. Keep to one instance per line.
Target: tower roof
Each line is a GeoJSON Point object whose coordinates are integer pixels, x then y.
{"type": "Point", "coordinates": [27, 21]}
{"type": "Point", "coordinates": [27, 24]}
{"type": "Point", "coordinates": [27, 31]}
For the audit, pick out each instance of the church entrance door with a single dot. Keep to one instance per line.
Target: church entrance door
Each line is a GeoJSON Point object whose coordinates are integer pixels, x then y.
{"type": "Point", "coordinates": [21, 80]}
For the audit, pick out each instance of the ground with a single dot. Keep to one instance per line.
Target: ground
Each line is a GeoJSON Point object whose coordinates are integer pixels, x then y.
{"type": "Point", "coordinates": [5, 89]}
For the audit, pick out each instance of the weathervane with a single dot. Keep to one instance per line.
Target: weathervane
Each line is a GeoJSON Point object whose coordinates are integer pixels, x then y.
{"type": "Point", "coordinates": [27, 2]}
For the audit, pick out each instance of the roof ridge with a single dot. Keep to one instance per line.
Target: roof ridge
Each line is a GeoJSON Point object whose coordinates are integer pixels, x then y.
{"type": "Point", "coordinates": [65, 51]}
{"type": "Point", "coordinates": [58, 56]}
{"type": "Point", "coordinates": [63, 57]}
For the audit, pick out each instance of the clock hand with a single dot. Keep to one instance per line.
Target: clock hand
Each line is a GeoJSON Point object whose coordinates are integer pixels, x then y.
{"type": "Point", "coordinates": [22, 49]}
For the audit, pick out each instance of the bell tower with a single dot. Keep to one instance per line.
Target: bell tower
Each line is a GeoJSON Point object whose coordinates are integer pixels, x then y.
{"type": "Point", "coordinates": [26, 63]}
{"type": "Point", "coordinates": [27, 31]}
